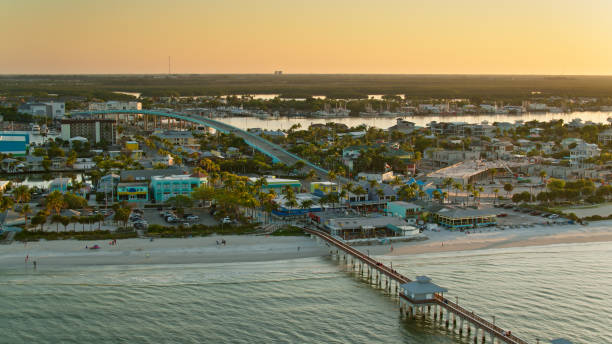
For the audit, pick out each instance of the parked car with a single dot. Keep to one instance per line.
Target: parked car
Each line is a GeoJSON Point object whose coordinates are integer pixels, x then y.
{"type": "Point", "coordinates": [226, 220]}
{"type": "Point", "coordinates": [502, 215]}
{"type": "Point", "coordinates": [192, 218]}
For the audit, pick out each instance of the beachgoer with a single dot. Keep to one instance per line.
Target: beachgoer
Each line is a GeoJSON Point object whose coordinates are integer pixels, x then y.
{"type": "Point", "coordinates": [27, 257]}
{"type": "Point", "coordinates": [391, 248]}
{"type": "Point", "coordinates": [34, 264]}
{"type": "Point", "coordinates": [217, 242]}
{"type": "Point", "coordinates": [85, 246]}
{"type": "Point", "coordinates": [298, 249]}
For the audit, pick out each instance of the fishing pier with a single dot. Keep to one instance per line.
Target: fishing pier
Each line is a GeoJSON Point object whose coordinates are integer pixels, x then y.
{"type": "Point", "coordinates": [419, 298]}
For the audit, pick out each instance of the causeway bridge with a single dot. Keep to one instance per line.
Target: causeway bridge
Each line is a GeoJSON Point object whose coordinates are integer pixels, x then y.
{"type": "Point", "coordinates": [457, 318]}
{"type": "Point", "coordinates": [151, 117]}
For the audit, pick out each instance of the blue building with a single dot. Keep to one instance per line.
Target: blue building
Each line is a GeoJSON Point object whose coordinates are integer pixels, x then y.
{"type": "Point", "coordinates": [165, 187]}
{"type": "Point", "coordinates": [14, 143]}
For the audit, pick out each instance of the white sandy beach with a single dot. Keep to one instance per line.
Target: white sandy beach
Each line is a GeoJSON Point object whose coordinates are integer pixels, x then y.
{"type": "Point", "coordinates": [489, 238]}
{"type": "Point", "coordinates": [244, 248]}
{"type": "Point", "coordinates": [247, 248]}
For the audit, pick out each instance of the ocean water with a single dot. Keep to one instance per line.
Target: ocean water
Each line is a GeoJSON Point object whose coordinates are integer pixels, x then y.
{"type": "Point", "coordinates": [543, 292]}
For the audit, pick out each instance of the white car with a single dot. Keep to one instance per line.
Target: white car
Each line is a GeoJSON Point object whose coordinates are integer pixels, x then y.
{"type": "Point", "coordinates": [192, 218]}
{"type": "Point", "coordinates": [226, 220]}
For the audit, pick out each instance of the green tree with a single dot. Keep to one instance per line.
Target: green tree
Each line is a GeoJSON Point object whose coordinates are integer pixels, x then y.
{"type": "Point", "coordinates": [508, 188]}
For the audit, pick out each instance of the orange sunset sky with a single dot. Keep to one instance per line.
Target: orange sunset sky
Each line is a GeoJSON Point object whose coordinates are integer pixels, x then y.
{"type": "Point", "coordinates": [315, 36]}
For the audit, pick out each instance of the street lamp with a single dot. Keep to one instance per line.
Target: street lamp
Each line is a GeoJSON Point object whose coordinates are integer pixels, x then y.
{"type": "Point", "coordinates": [494, 320]}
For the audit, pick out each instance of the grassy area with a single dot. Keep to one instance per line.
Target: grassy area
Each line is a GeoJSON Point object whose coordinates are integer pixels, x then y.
{"type": "Point", "coordinates": [199, 230]}
{"type": "Point", "coordinates": [154, 230]}
{"type": "Point", "coordinates": [301, 85]}
{"type": "Point", "coordinates": [289, 231]}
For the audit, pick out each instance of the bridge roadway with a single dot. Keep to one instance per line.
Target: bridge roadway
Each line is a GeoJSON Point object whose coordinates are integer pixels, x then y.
{"type": "Point", "coordinates": [443, 302]}
{"type": "Point", "coordinates": [277, 153]}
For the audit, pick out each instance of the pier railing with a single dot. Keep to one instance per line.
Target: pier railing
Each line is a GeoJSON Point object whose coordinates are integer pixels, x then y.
{"type": "Point", "coordinates": [505, 336]}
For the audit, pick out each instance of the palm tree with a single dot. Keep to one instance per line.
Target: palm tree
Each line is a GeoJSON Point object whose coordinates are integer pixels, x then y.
{"type": "Point", "coordinates": [55, 201]}
{"type": "Point", "coordinates": [25, 210]}
{"type": "Point", "coordinates": [306, 204]}
{"type": "Point", "coordinates": [542, 176]}
{"type": "Point", "coordinates": [22, 194]}
{"type": "Point", "coordinates": [496, 192]}
{"type": "Point", "coordinates": [6, 203]}
{"type": "Point", "coordinates": [56, 219]}
{"type": "Point", "coordinates": [447, 183]}
{"type": "Point", "coordinates": [508, 188]}
{"type": "Point", "coordinates": [458, 187]}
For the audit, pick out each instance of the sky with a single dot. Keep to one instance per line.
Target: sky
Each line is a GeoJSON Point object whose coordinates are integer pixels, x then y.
{"type": "Point", "coordinates": [314, 36]}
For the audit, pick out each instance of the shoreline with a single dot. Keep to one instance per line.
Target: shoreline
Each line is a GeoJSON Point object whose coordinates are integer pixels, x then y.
{"type": "Point", "coordinates": [446, 241]}
{"type": "Point", "coordinates": [251, 248]}
{"type": "Point", "coordinates": [239, 248]}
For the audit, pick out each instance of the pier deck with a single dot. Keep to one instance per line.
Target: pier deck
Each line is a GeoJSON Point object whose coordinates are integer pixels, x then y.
{"type": "Point", "coordinates": [451, 307]}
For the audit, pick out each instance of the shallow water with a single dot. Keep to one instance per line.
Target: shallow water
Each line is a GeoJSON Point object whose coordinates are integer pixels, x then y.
{"type": "Point", "coordinates": [544, 292]}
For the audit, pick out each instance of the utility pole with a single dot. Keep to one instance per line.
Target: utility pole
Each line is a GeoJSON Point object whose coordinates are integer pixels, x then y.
{"type": "Point", "coordinates": [169, 66]}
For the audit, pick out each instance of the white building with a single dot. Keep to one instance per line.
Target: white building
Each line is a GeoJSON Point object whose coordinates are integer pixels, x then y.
{"type": "Point", "coordinates": [115, 105]}
{"type": "Point", "coordinates": [378, 177]}
{"type": "Point", "coordinates": [583, 151]}
{"type": "Point", "coordinates": [605, 137]}
{"type": "Point", "coordinates": [47, 109]}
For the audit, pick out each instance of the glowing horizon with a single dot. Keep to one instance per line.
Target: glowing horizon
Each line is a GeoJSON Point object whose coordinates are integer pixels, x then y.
{"type": "Point", "coordinates": [546, 37]}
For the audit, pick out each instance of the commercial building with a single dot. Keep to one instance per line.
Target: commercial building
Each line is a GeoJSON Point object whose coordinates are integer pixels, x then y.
{"type": "Point", "coordinates": [146, 175]}
{"type": "Point", "coordinates": [95, 130]}
{"type": "Point", "coordinates": [165, 187]}
{"type": "Point", "coordinates": [133, 191]}
{"type": "Point", "coordinates": [457, 218]}
{"type": "Point", "coordinates": [277, 184]}
{"type": "Point", "coordinates": [44, 109]}
{"type": "Point", "coordinates": [115, 105]}
{"type": "Point", "coordinates": [403, 209]}
{"type": "Point", "coordinates": [323, 188]}
{"type": "Point", "coordinates": [60, 184]}
{"type": "Point", "coordinates": [14, 143]}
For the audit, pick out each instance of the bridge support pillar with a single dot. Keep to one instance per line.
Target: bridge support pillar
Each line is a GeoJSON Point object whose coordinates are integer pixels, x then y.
{"type": "Point", "coordinates": [460, 326]}
{"type": "Point", "coordinates": [476, 330]}
{"type": "Point", "coordinates": [435, 313]}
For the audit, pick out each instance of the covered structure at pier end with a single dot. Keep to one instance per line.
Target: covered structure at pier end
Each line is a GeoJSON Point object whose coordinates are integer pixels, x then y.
{"type": "Point", "coordinates": [419, 294]}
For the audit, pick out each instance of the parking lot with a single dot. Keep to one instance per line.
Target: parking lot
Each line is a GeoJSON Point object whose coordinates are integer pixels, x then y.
{"type": "Point", "coordinates": [515, 217]}
{"type": "Point", "coordinates": [152, 216]}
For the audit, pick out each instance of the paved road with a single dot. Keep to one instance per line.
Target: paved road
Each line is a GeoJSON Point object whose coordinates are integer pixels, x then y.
{"type": "Point", "coordinates": [267, 147]}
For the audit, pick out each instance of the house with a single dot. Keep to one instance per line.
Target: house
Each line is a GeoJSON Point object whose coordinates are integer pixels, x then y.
{"type": "Point", "coordinates": [378, 177]}
{"type": "Point", "coordinates": [570, 141]}
{"type": "Point", "coordinates": [605, 138]}
{"type": "Point", "coordinates": [583, 151]}
{"type": "Point", "coordinates": [58, 163]}
{"type": "Point", "coordinates": [34, 163]}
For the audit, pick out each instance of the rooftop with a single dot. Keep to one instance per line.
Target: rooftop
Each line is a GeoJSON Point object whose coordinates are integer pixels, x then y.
{"type": "Point", "coordinates": [422, 285]}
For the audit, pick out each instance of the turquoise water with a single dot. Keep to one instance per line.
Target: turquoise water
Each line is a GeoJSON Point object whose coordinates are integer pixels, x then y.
{"type": "Point", "coordinates": [544, 292]}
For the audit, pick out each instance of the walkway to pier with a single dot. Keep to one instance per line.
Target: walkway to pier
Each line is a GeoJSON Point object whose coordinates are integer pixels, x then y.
{"type": "Point", "coordinates": [451, 307]}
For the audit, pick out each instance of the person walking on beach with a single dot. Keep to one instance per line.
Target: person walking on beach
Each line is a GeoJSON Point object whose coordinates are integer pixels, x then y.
{"type": "Point", "coordinates": [34, 262]}
{"type": "Point", "coordinates": [27, 257]}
